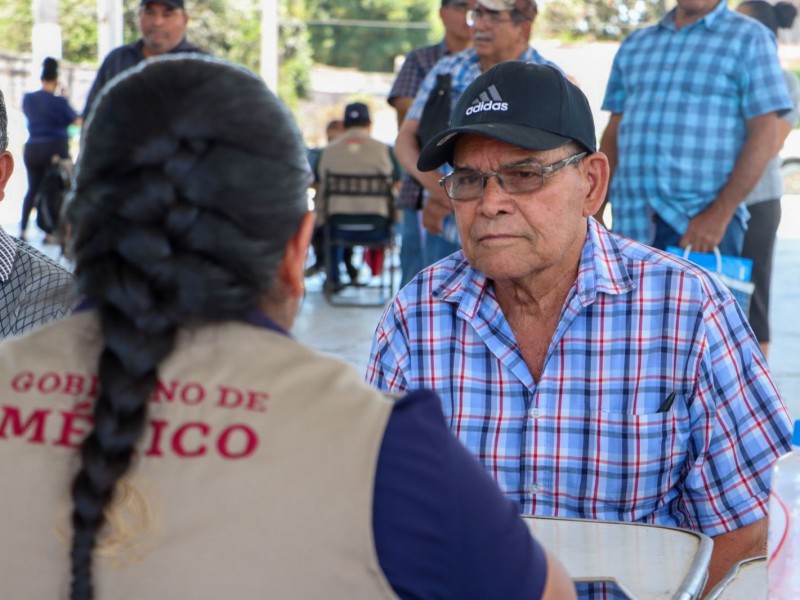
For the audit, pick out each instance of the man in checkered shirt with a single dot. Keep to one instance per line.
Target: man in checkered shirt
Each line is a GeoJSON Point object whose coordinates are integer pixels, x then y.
{"type": "Point", "coordinates": [418, 62]}
{"type": "Point", "coordinates": [593, 376]}
{"type": "Point", "coordinates": [695, 102]}
{"type": "Point", "coordinates": [33, 288]}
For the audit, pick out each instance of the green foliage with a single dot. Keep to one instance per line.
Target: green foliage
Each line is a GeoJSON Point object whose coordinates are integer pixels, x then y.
{"type": "Point", "coordinates": [599, 19]}
{"type": "Point", "coordinates": [368, 48]}
{"type": "Point", "coordinates": [296, 61]}
{"type": "Point", "coordinates": [16, 25]}
{"type": "Point", "coordinates": [78, 20]}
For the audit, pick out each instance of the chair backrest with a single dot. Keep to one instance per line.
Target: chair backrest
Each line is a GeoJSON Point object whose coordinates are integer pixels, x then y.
{"type": "Point", "coordinates": [357, 194]}
{"type": "Point", "coordinates": [645, 561]}
{"type": "Point", "coordinates": [745, 579]}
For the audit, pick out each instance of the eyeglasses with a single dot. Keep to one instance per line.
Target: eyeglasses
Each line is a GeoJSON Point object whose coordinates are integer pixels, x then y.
{"type": "Point", "coordinates": [490, 16]}
{"type": "Point", "coordinates": [469, 184]}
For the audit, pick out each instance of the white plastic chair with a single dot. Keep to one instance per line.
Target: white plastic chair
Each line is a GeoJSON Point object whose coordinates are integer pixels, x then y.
{"type": "Point", "coordinates": [647, 562]}
{"type": "Point", "coordinates": [746, 579]}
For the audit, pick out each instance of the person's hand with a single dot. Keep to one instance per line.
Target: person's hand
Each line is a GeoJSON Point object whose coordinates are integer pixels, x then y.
{"type": "Point", "coordinates": [705, 230]}
{"type": "Point", "coordinates": [435, 210]}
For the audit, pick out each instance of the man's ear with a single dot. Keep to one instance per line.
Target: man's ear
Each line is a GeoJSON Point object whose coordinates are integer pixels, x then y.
{"type": "Point", "coordinates": [596, 170]}
{"type": "Point", "coordinates": [291, 271]}
{"type": "Point", "coordinates": [6, 169]}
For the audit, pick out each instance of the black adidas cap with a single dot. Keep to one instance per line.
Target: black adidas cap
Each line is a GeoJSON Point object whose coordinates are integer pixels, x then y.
{"type": "Point", "coordinates": [530, 106]}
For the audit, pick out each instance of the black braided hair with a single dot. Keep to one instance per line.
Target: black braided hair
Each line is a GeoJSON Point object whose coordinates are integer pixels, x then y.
{"type": "Point", "coordinates": [190, 182]}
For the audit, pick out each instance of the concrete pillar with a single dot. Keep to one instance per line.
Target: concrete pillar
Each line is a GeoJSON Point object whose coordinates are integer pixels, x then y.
{"type": "Point", "coordinates": [109, 27]}
{"type": "Point", "coordinates": [46, 36]}
{"type": "Point", "coordinates": [269, 43]}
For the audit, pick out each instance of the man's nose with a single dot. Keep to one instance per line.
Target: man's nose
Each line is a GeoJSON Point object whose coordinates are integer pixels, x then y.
{"type": "Point", "coordinates": [495, 199]}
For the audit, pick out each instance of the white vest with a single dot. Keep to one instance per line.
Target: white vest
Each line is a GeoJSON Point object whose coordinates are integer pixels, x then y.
{"type": "Point", "coordinates": [254, 478]}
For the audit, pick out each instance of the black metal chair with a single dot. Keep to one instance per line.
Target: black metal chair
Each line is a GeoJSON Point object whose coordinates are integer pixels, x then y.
{"type": "Point", "coordinates": [358, 211]}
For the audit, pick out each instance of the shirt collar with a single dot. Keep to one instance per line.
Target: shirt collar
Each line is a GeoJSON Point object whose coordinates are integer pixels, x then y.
{"type": "Point", "coordinates": [601, 269]}
{"type": "Point", "coordinates": [8, 252]}
{"type": "Point", "coordinates": [711, 20]}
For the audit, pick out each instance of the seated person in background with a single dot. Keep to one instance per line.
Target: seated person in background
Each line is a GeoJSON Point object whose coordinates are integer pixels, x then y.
{"type": "Point", "coordinates": [171, 439]}
{"type": "Point", "coordinates": [594, 377]}
{"type": "Point", "coordinates": [355, 152]}
{"type": "Point", "coordinates": [333, 130]}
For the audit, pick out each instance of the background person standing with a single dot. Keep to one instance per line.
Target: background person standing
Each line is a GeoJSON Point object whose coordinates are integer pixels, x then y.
{"type": "Point", "coordinates": [764, 202]}
{"type": "Point", "coordinates": [501, 31]}
{"type": "Point", "coordinates": [48, 117]}
{"type": "Point", "coordinates": [457, 37]}
{"type": "Point", "coordinates": [695, 101]}
{"type": "Point", "coordinates": [162, 24]}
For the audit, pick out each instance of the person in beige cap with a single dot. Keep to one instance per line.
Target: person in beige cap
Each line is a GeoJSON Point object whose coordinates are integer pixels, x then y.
{"type": "Point", "coordinates": [171, 439]}
{"type": "Point", "coordinates": [501, 30]}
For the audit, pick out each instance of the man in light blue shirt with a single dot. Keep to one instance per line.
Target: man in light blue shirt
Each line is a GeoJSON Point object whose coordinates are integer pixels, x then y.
{"type": "Point", "coordinates": [695, 101]}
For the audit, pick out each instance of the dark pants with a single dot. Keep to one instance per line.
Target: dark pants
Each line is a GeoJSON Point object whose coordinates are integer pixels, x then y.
{"type": "Point", "coordinates": [38, 157]}
{"type": "Point", "coordinates": [759, 246]}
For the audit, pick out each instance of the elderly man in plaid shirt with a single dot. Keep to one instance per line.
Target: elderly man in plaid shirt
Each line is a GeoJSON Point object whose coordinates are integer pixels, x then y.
{"type": "Point", "coordinates": [695, 102]}
{"type": "Point", "coordinates": [593, 376]}
{"type": "Point", "coordinates": [457, 37]}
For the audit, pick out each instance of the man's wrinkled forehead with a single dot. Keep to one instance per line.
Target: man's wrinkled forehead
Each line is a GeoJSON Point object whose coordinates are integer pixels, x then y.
{"type": "Point", "coordinates": [472, 148]}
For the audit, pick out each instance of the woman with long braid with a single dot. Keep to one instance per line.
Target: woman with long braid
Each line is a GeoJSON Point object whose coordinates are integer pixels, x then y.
{"type": "Point", "coordinates": [171, 440]}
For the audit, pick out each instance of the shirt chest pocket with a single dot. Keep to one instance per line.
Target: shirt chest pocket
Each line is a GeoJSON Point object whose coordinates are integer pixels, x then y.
{"type": "Point", "coordinates": [631, 462]}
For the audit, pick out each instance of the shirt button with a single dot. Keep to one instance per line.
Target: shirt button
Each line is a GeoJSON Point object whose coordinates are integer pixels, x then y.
{"type": "Point", "coordinates": [534, 488]}
{"type": "Point", "coordinates": [534, 413]}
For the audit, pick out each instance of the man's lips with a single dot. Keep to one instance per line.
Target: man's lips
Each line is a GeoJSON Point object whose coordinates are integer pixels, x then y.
{"type": "Point", "coordinates": [490, 237]}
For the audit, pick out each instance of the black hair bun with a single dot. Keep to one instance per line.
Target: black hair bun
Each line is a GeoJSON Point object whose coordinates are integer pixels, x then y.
{"type": "Point", "coordinates": [49, 69]}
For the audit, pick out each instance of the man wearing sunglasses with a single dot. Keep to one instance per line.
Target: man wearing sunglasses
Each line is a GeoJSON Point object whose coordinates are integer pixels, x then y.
{"type": "Point", "coordinates": [501, 30]}
{"type": "Point", "coordinates": [593, 376]}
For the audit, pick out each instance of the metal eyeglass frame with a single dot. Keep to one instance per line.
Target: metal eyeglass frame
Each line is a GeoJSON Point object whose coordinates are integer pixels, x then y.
{"type": "Point", "coordinates": [485, 175]}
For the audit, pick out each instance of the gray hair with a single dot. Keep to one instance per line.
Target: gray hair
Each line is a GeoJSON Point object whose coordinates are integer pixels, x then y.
{"type": "Point", "coordinates": [3, 124]}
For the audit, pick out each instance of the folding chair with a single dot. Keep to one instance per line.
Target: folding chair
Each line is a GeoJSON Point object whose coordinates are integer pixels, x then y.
{"type": "Point", "coordinates": [645, 561]}
{"type": "Point", "coordinates": [358, 211]}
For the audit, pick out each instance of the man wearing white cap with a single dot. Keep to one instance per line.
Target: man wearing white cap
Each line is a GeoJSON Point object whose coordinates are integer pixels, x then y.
{"type": "Point", "coordinates": [500, 32]}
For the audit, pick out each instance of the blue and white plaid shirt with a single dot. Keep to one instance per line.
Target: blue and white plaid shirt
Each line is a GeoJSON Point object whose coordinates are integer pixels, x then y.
{"type": "Point", "coordinates": [685, 96]}
{"type": "Point", "coordinates": [591, 439]}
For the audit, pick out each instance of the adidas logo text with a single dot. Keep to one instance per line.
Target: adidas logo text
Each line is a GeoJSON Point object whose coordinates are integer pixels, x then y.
{"type": "Point", "coordinates": [488, 100]}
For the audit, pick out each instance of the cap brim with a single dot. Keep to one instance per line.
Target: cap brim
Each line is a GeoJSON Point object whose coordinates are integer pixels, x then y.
{"type": "Point", "coordinates": [439, 149]}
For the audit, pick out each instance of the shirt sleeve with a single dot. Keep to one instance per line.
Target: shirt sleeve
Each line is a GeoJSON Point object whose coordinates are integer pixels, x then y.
{"type": "Point", "coordinates": [740, 424]}
{"type": "Point", "coordinates": [763, 84]}
{"type": "Point", "coordinates": [442, 528]}
{"type": "Point", "coordinates": [67, 113]}
{"type": "Point", "coordinates": [388, 353]}
{"type": "Point", "coordinates": [793, 85]}
{"type": "Point", "coordinates": [99, 81]}
{"type": "Point", "coordinates": [614, 99]}
{"type": "Point", "coordinates": [408, 80]}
